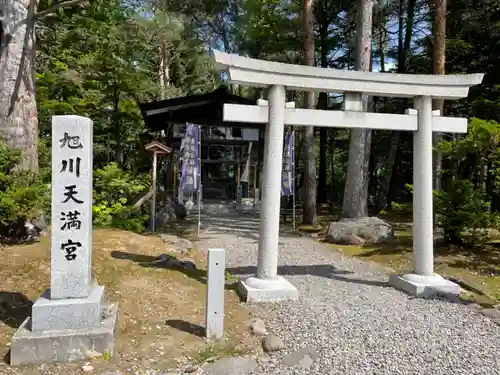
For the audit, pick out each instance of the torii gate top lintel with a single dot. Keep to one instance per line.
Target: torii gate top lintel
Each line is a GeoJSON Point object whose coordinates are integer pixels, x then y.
{"type": "Point", "coordinates": [261, 73]}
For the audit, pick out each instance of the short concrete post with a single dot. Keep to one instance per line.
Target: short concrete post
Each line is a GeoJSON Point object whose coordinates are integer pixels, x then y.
{"type": "Point", "coordinates": [214, 314]}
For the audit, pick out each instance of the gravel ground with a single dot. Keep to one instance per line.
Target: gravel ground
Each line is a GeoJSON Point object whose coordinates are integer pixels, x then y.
{"type": "Point", "coordinates": [349, 321]}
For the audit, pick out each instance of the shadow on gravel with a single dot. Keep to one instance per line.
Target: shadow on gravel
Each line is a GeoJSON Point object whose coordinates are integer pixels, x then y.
{"type": "Point", "coordinates": [321, 270]}
{"type": "Point", "coordinates": [241, 226]}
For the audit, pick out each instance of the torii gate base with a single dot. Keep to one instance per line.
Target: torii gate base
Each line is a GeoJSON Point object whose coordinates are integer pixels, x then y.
{"type": "Point", "coordinates": [267, 286]}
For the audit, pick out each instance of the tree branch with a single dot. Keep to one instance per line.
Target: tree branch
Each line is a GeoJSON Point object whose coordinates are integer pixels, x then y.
{"type": "Point", "coordinates": [54, 8]}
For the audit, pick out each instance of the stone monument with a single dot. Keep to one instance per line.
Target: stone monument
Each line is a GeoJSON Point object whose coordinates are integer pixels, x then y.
{"type": "Point", "coordinates": [71, 319]}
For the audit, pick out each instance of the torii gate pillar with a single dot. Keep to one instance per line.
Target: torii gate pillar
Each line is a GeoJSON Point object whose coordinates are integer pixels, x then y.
{"type": "Point", "coordinates": [267, 286]}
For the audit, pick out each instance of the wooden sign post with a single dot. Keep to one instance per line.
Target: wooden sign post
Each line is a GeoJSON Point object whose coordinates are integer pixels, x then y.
{"type": "Point", "coordinates": [156, 148]}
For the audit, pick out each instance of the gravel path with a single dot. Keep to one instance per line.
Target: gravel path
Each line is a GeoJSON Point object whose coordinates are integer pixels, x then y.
{"type": "Point", "coordinates": [349, 321]}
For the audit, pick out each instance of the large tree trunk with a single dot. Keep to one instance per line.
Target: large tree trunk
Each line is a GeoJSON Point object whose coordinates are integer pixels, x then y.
{"type": "Point", "coordinates": [309, 215]}
{"type": "Point", "coordinates": [404, 50]}
{"type": "Point", "coordinates": [164, 72]}
{"type": "Point", "coordinates": [355, 203]}
{"type": "Point", "coordinates": [438, 65]}
{"type": "Point", "coordinates": [18, 113]}
{"type": "Point", "coordinates": [323, 132]}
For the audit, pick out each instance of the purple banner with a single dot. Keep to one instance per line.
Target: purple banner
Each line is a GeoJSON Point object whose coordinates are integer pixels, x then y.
{"type": "Point", "coordinates": [287, 183]}
{"type": "Point", "coordinates": [190, 161]}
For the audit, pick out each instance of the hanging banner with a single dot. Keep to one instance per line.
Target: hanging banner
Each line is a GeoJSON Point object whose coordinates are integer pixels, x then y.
{"type": "Point", "coordinates": [190, 161]}
{"type": "Point", "coordinates": [287, 183]}
{"type": "Point", "coordinates": [244, 175]}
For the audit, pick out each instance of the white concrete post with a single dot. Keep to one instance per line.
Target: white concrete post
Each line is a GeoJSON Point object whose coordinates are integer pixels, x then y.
{"type": "Point", "coordinates": [214, 314]}
{"type": "Point", "coordinates": [267, 265]}
{"type": "Point", "coordinates": [423, 239]}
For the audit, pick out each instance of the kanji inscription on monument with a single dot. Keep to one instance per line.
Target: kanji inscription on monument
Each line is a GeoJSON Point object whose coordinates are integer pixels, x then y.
{"type": "Point", "coordinates": [71, 207]}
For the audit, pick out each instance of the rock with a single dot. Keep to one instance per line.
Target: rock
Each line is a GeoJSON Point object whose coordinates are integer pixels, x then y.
{"type": "Point", "coordinates": [272, 343]}
{"type": "Point", "coordinates": [87, 368]}
{"type": "Point", "coordinates": [190, 369]}
{"type": "Point", "coordinates": [365, 230]}
{"type": "Point", "coordinates": [171, 211]}
{"type": "Point", "coordinates": [302, 358]}
{"type": "Point", "coordinates": [187, 264]}
{"type": "Point", "coordinates": [91, 354]}
{"type": "Point", "coordinates": [231, 366]}
{"type": "Point", "coordinates": [24, 230]}
{"type": "Point", "coordinates": [494, 314]}
{"type": "Point", "coordinates": [257, 327]}
{"type": "Point", "coordinates": [176, 241]}
{"type": "Point", "coordinates": [167, 260]}
{"type": "Point", "coordinates": [36, 228]}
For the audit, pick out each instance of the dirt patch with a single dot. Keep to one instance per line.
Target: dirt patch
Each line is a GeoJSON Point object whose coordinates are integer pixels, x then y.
{"type": "Point", "coordinates": [161, 311]}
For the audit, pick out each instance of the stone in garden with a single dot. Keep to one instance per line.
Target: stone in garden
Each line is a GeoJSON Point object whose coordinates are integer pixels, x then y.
{"type": "Point", "coordinates": [177, 242]}
{"type": "Point", "coordinates": [231, 366]}
{"type": "Point", "coordinates": [494, 314]}
{"type": "Point", "coordinates": [170, 212]}
{"type": "Point", "coordinates": [272, 343]}
{"type": "Point", "coordinates": [302, 358]}
{"type": "Point", "coordinates": [257, 327]}
{"type": "Point", "coordinates": [187, 264]}
{"type": "Point", "coordinates": [67, 320]}
{"type": "Point", "coordinates": [361, 231]}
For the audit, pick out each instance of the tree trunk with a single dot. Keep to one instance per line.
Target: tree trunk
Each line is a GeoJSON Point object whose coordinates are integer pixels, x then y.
{"type": "Point", "coordinates": [18, 113]}
{"type": "Point", "coordinates": [438, 61]}
{"type": "Point", "coordinates": [323, 145]}
{"type": "Point", "coordinates": [355, 203]}
{"type": "Point", "coordinates": [309, 215]}
{"type": "Point", "coordinates": [323, 132]}
{"type": "Point", "coordinates": [164, 70]}
{"type": "Point", "coordinates": [404, 50]}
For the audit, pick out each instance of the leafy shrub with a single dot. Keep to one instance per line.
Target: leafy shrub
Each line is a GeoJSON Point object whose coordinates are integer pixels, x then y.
{"type": "Point", "coordinates": [23, 196]}
{"type": "Point", "coordinates": [464, 214]}
{"type": "Point", "coordinates": [114, 189]}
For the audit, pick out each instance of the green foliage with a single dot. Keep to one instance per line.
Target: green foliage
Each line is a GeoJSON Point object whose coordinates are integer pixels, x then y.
{"type": "Point", "coordinates": [23, 196]}
{"type": "Point", "coordinates": [113, 190]}
{"type": "Point", "coordinates": [464, 214]}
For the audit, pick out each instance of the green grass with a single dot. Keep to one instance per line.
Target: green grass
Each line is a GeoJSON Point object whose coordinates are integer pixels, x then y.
{"type": "Point", "coordinates": [479, 268]}
{"type": "Point", "coordinates": [213, 351]}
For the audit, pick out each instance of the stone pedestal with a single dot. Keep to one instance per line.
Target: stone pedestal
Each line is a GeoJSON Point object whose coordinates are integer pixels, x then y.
{"type": "Point", "coordinates": [254, 289]}
{"type": "Point", "coordinates": [424, 286]}
{"type": "Point", "coordinates": [65, 345]}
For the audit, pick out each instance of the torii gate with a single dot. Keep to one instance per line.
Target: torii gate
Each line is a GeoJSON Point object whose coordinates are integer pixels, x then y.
{"type": "Point", "coordinates": [267, 285]}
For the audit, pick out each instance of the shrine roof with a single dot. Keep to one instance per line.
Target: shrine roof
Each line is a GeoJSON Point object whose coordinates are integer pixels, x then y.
{"type": "Point", "coordinates": [201, 109]}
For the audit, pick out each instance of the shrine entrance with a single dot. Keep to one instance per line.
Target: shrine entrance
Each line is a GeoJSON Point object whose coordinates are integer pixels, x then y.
{"type": "Point", "coordinates": [267, 285]}
{"type": "Point", "coordinates": [230, 154]}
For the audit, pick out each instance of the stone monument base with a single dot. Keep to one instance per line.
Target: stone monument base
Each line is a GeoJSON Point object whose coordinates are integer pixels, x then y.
{"type": "Point", "coordinates": [70, 313]}
{"type": "Point", "coordinates": [253, 289]}
{"type": "Point", "coordinates": [424, 286]}
{"type": "Point", "coordinates": [64, 330]}
{"type": "Point", "coordinates": [36, 347]}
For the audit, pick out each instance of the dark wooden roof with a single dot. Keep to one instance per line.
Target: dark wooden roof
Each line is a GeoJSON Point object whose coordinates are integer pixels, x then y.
{"type": "Point", "coordinates": [203, 109]}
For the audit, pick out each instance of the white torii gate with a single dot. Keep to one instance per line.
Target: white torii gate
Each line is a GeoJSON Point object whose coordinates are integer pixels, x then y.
{"type": "Point", "coordinates": [267, 285]}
